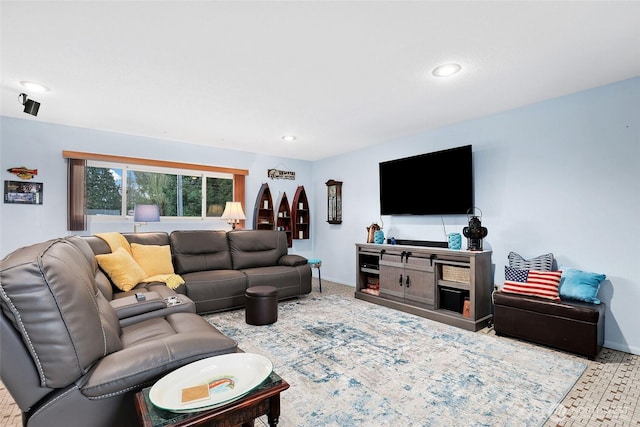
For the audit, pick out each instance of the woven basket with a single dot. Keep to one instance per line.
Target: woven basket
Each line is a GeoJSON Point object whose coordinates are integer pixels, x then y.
{"type": "Point", "coordinates": [453, 273]}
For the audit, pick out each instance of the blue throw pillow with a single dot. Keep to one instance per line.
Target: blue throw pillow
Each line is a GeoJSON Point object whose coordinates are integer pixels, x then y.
{"type": "Point", "coordinates": [580, 285]}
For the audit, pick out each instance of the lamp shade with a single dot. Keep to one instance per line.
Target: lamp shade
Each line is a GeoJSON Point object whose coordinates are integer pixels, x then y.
{"type": "Point", "coordinates": [146, 213]}
{"type": "Point", "coordinates": [233, 212]}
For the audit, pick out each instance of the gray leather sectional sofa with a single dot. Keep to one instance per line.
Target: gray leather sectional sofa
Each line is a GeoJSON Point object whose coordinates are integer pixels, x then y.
{"type": "Point", "coordinates": [219, 266]}
{"type": "Point", "coordinates": [73, 351]}
{"type": "Point", "coordinates": [64, 356]}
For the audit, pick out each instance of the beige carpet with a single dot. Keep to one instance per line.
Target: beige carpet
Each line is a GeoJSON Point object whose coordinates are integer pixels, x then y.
{"type": "Point", "coordinates": [606, 394]}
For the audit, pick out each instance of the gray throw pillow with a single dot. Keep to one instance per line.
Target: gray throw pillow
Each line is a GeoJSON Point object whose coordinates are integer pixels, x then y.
{"type": "Point", "coordinates": [539, 263]}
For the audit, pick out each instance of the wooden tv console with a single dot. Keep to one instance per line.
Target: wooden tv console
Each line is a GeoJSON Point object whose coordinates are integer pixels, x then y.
{"type": "Point", "coordinates": [449, 286]}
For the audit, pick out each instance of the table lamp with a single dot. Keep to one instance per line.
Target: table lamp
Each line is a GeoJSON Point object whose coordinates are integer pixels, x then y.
{"type": "Point", "coordinates": [143, 214]}
{"type": "Point", "coordinates": [233, 213]}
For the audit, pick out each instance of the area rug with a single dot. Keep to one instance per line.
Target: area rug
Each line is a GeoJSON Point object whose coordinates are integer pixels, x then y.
{"type": "Point", "coordinates": [353, 363]}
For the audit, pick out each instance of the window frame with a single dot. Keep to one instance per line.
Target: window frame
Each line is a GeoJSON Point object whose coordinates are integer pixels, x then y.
{"type": "Point", "coordinates": [160, 166]}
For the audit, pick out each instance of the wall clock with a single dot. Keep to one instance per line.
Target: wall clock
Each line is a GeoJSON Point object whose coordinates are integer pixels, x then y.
{"type": "Point", "coordinates": [334, 202]}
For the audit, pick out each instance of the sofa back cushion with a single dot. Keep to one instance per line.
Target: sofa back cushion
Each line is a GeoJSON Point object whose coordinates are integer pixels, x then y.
{"type": "Point", "coordinates": [48, 292]}
{"type": "Point", "coordinates": [158, 238]}
{"type": "Point", "coordinates": [97, 245]}
{"type": "Point", "coordinates": [256, 248]}
{"type": "Point", "coordinates": [199, 250]}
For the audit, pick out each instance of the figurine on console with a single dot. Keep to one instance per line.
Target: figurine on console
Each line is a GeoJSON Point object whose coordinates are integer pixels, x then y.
{"type": "Point", "coordinates": [474, 233]}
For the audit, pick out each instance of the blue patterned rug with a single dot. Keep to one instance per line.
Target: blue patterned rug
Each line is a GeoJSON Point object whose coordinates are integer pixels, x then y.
{"type": "Point", "coordinates": [352, 363]}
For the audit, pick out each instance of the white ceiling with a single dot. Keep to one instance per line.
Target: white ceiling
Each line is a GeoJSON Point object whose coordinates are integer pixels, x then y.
{"type": "Point", "coordinates": [340, 75]}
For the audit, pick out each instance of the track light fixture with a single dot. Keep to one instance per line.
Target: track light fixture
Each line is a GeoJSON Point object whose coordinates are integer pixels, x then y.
{"type": "Point", "coordinates": [30, 106]}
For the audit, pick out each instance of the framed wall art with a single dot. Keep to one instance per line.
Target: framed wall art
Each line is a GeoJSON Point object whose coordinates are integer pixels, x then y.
{"type": "Point", "coordinates": [25, 193]}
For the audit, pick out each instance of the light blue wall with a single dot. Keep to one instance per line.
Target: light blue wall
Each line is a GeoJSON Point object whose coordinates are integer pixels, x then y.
{"type": "Point", "coordinates": [37, 145]}
{"type": "Point", "coordinates": [561, 176]}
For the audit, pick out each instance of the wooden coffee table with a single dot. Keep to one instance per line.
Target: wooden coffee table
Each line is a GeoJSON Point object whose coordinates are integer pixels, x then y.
{"type": "Point", "coordinates": [263, 400]}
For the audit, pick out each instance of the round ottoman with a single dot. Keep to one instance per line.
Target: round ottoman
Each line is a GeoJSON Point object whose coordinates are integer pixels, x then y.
{"type": "Point", "coordinates": [261, 305]}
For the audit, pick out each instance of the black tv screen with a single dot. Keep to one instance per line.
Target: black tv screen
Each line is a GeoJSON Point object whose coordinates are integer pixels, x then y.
{"type": "Point", "coordinates": [437, 183]}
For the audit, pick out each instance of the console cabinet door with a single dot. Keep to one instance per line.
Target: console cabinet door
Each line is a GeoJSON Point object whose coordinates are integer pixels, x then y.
{"type": "Point", "coordinates": [407, 277]}
{"type": "Point", "coordinates": [392, 274]}
{"type": "Point", "coordinates": [419, 280]}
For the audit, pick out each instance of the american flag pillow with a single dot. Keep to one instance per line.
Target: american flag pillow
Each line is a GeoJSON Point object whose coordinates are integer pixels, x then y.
{"type": "Point", "coordinates": [515, 274]}
{"type": "Point", "coordinates": [543, 284]}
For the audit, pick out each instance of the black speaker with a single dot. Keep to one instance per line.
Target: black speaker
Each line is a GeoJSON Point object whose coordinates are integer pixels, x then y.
{"type": "Point", "coordinates": [31, 107]}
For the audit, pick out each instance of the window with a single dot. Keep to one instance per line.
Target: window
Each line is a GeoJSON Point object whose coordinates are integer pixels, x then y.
{"type": "Point", "coordinates": [110, 174]}
{"type": "Point", "coordinates": [115, 189]}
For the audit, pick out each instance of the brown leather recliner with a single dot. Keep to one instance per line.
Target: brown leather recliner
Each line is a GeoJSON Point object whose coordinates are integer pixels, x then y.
{"type": "Point", "coordinates": [64, 356]}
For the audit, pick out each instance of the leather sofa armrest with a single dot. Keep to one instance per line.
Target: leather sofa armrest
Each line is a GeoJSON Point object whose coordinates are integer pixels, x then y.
{"type": "Point", "coordinates": [292, 260]}
{"type": "Point", "coordinates": [129, 306]}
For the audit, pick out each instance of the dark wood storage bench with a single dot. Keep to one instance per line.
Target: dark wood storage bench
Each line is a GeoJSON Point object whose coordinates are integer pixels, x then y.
{"type": "Point", "coordinates": [571, 326]}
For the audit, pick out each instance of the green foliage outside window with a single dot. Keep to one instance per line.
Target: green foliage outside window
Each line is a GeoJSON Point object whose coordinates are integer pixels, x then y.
{"type": "Point", "coordinates": [219, 192]}
{"type": "Point", "coordinates": [104, 195]}
{"type": "Point", "coordinates": [176, 195]}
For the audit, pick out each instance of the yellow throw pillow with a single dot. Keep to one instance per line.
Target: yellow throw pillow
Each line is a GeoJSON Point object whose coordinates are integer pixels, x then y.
{"type": "Point", "coordinates": [122, 269]}
{"type": "Point", "coordinates": [153, 259]}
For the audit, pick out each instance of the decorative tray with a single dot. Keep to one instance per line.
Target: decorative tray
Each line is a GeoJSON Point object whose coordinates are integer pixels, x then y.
{"type": "Point", "coordinates": [211, 382]}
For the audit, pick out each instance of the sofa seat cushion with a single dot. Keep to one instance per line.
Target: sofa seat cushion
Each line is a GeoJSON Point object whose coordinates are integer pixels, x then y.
{"type": "Point", "coordinates": [153, 348]}
{"type": "Point", "coordinates": [286, 279]}
{"type": "Point", "coordinates": [573, 310]}
{"type": "Point", "coordinates": [216, 290]}
{"type": "Point", "coordinates": [147, 330]}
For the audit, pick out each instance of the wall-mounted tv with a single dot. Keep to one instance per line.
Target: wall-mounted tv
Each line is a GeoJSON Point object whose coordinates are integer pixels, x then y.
{"type": "Point", "coordinates": [437, 183]}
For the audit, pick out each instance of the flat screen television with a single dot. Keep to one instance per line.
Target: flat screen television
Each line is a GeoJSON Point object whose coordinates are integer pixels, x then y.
{"type": "Point", "coordinates": [437, 183]}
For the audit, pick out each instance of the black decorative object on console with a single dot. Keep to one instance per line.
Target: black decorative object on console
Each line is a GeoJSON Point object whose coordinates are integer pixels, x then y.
{"type": "Point", "coordinates": [475, 232]}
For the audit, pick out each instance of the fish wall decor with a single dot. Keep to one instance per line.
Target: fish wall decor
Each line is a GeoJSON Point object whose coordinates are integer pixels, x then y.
{"type": "Point", "coordinates": [24, 172]}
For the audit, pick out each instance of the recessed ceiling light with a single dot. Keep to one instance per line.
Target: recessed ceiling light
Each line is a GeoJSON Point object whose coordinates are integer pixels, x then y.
{"type": "Point", "coordinates": [289, 138]}
{"type": "Point", "coordinates": [446, 70]}
{"type": "Point", "coordinates": [34, 87]}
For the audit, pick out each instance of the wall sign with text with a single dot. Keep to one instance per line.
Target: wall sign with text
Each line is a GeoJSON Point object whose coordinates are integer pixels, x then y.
{"type": "Point", "coordinates": [26, 193]}
{"type": "Point", "coordinates": [278, 174]}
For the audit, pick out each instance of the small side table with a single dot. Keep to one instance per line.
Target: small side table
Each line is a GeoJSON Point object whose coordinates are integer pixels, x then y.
{"type": "Point", "coordinates": [316, 263]}
{"type": "Point", "coordinates": [263, 400]}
